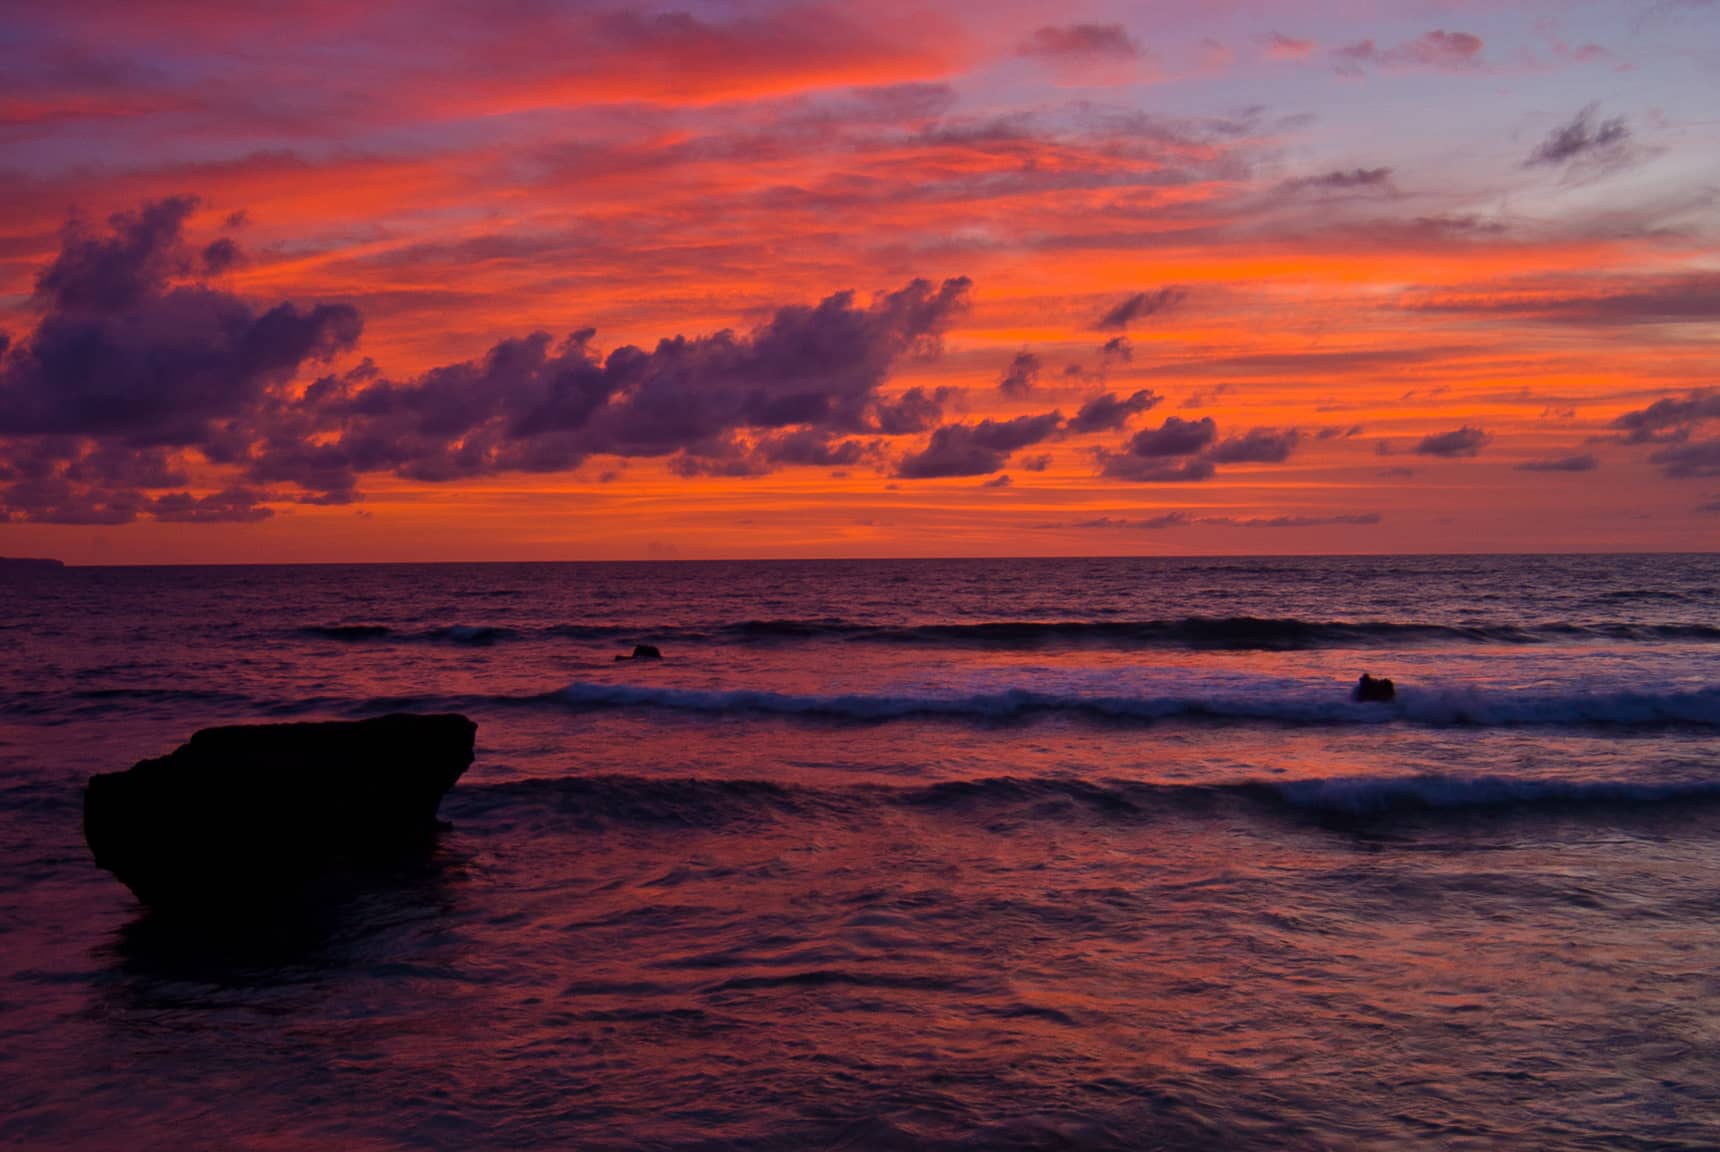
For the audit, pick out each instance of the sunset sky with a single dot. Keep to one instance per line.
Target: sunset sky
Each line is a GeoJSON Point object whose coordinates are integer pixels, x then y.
{"type": "Point", "coordinates": [321, 280]}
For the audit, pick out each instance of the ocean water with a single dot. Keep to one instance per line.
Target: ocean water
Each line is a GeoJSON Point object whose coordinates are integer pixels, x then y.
{"type": "Point", "coordinates": [966, 854]}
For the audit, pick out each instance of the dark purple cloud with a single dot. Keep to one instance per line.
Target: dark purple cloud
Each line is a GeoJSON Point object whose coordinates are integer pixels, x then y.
{"type": "Point", "coordinates": [1119, 348]}
{"type": "Point", "coordinates": [1175, 437]}
{"type": "Point", "coordinates": [1464, 441]}
{"type": "Point", "coordinates": [1452, 51]}
{"type": "Point", "coordinates": [913, 411]}
{"type": "Point", "coordinates": [1583, 462]}
{"type": "Point", "coordinates": [1584, 139]}
{"type": "Point", "coordinates": [1081, 42]}
{"type": "Point", "coordinates": [977, 449]}
{"type": "Point", "coordinates": [229, 506]}
{"type": "Point", "coordinates": [532, 405]}
{"type": "Point", "coordinates": [121, 351]}
{"type": "Point", "coordinates": [1021, 376]}
{"type": "Point", "coordinates": [1257, 446]}
{"type": "Point", "coordinates": [1694, 458]}
{"type": "Point", "coordinates": [1154, 470]}
{"type": "Point", "coordinates": [1354, 180]}
{"type": "Point", "coordinates": [1190, 450]}
{"type": "Point", "coordinates": [136, 368]}
{"type": "Point", "coordinates": [54, 500]}
{"type": "Point", "coordinates": [1140, 306]}
{"type": "Point", "coordinates": [1167, 454]}
{"type": "Point", "coordinates": [220, 256]}
{"type": "Point", "coordinates": [1693, 298]}
{"type": "Point", "coordinates": [1188, 520]}
{"type": "Point", "coordinates": [131, 359]}
{"type": "Point", "coordinates": [1669, 418]}
{"type": "Point", "coordinates": [107, 273]}
{"type": "Point", "coordinates": [1108, 413]}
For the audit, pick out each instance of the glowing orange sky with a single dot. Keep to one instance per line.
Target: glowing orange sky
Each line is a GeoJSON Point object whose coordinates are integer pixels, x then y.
{"type": "Point", "coordinates": [1434, 262]}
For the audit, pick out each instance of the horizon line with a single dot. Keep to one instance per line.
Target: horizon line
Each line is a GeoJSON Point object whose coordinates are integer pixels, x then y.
{"type": "Point", "coordinates": [869, 559]}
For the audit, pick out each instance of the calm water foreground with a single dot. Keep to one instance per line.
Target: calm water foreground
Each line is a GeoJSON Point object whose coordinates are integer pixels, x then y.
{"type": "Point", "coordinates": [990, 854]}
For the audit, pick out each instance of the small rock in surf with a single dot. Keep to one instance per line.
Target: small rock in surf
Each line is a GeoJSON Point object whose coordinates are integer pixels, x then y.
{"type": "Point", "coordinates": [1374, 691]}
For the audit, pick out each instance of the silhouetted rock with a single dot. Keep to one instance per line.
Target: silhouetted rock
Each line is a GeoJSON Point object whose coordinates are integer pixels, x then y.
{"type": "Point", "coordinates": [1375, 691]}
{"type": "Point", "coordinates": [247, 815]}
{"type": "Point", "coordinates": [643, 652]}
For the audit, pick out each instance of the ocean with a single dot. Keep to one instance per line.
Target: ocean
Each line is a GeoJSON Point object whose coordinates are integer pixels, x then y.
{"type": "Point", "coordinates": [1076, 854]}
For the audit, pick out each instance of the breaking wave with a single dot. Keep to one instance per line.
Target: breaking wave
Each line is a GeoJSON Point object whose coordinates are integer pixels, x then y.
{"type": "Point", "coordinates": [1465, 707]}
{"type": "Point", "coordinates": [706, 802]}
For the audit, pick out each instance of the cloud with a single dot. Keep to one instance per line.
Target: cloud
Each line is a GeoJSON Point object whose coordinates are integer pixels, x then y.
{"type": "Point", "coordinates": [1695, 458]}
{"type": "Point", "coordinates": [1106, 42]}
{"type": "Point", "coordinates": [229, 506]}
{"type": "Point", "coordinates": [138, 369]}
{"type": "Point", "coordinates": [1449, 51]}
{"type": "Point", "coordinates": [1464, 441]}
{"type": "Point", "coordinates": [1583, 462]}
{"type": "Point", "coordinates": [1282, 47]}
{"type": "Point", "coordinates": [1339, 180]}
{"type": "Point", "coordinates": [1021, 376]}
{"type": "Point", "coordinates": [1175, 437]}
{"type": "Point", "coordinates": [1189, 450]}
{"type": "Point", "coordinates": [809, 447]}
{"type": "Point", "coordinates": [1108, 412]}
{"type": "Point", "coordinates": [1001, 480]}
{"type": "Point", "coordinates": [54, 500]}
{"type": "Point", "coordinates": [558, 56]}
{"type": "Point", "coordinates": [533, 405]}
{"type": "Point", "coordinates": [1117, 347]}
{"type": "Point", "coordinates": [132, 358]}
{"type": "Point", "coordinates": [913, 411]}
{"type": "Point", "coordinates": [1167, 454]}
{"type": "Point", "coordinates": [1585, 140]}
{"type": "Point", "coordinates": [1187, 520]}
{"type": "Point", "coordinates": [1257, 446]}
{"type": "Point", "coordinates": [1152, 470]}
{"type": "Point", "coordinates": [1361, 518]}
{"type": "Point", "coordinates": [1140, 306]}
{"type": "Point", "coordinates": [977, 449]}
{"type": "Point", "coordinates": [1687, 298]}
{"type": "Point", "coordinates": [123, 351]}
{"type": "Point", "coordinates": [1669, 418]}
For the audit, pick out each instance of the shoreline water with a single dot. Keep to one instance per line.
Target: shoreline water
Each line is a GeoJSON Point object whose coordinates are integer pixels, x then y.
{"type": "Point", "coordinates": [692, 904]}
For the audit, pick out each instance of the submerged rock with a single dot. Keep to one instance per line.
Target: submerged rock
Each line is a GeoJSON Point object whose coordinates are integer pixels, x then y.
{"type": "Point", "coordinates": [643, 652]}
{"type": "Point", "coordinates": [1375, 691]}
{"type": "Point", "coordinates": [253, 813]}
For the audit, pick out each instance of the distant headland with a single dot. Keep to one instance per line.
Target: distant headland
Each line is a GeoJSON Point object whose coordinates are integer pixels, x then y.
{"type": "Point", "coordinates": [12, 564]}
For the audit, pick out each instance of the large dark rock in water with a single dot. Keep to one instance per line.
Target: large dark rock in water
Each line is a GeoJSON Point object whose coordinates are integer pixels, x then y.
{"type": "Point", "coordinates": [243, 816]}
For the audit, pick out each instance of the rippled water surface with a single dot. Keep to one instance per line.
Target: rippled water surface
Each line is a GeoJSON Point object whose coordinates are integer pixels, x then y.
{"type": "Point", "coordinates": [1050, 854]}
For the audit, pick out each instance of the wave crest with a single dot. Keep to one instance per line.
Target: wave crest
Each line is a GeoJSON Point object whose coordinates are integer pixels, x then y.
{"type": "Point", "coordinates": [1456, 707]}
